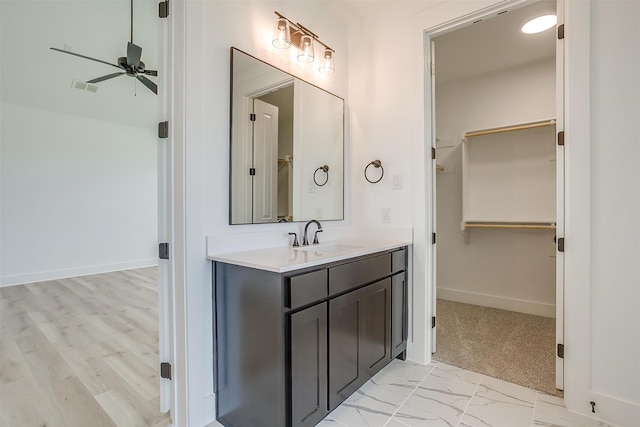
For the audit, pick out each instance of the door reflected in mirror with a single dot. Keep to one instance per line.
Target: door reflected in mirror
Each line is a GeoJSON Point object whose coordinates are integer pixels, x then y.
{"type": "Point", "coordinates": [287, 146]}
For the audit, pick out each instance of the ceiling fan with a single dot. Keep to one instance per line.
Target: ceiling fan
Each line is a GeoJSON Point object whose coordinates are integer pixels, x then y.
{"type": "Point", "coordinates": [131, 65]}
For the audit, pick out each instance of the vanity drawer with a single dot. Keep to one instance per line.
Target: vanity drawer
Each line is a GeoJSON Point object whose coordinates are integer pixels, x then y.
{"type": "Point", "coordinates": [398, 260]}
{"type": "Point", "coordinates": [307, 288]}
{"type": "Point", "coordinates": [348, 276]}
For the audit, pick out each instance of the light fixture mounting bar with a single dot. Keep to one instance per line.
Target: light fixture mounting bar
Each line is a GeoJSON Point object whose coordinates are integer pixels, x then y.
{"type": "Point", "coordinates": [297, 30]}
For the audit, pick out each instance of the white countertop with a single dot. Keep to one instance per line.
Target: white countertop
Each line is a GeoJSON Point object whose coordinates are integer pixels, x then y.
{"type": "Point", "coordinates": [281, 259]}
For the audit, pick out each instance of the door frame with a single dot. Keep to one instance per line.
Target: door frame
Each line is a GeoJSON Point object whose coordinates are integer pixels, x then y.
{"type": "Point", "coordinates": [165, 221]}
{"type": "Point", "coordinates": [430, 166]}
{"type": "Point", "coordinates": [242, 159]}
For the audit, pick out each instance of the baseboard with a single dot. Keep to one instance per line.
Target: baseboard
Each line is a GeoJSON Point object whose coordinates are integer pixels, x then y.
{"type": "Point", "coordinates": [20, 279]}
{"type": "Point", "coordinates": [511, 304]}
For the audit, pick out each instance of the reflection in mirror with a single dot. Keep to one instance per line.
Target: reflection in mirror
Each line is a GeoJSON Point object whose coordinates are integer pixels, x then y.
{"type": "Point", "coordinates": [282, 130]}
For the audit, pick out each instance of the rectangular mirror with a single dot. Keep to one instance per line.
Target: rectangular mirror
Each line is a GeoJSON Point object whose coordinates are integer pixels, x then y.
{"type": "Point", "coordinates": [287, 146]}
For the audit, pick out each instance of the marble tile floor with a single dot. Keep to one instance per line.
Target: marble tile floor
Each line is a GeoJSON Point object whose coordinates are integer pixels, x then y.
{"type": "Point", "coordinates": [407, 394]}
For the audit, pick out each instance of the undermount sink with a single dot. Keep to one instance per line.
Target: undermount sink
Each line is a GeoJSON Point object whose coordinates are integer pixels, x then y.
{"type": "Point", "coordinates": [327, 247]}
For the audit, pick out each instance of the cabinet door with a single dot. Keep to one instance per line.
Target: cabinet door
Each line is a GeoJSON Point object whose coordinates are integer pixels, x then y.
{"type": "Point", "coordinates": [309, 366]}
{"type": "Point", "coordinates": [345, 338]}
{"type": "Point", "coordinates": [376, 345]}
{"type": "Point", "coordinates": [398, 314]}
{"type": "Point", "coordinates": [359, 338]}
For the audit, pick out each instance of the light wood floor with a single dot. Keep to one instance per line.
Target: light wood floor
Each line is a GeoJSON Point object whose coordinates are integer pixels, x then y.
{"type": "Point", "coordinates": [81, 352]}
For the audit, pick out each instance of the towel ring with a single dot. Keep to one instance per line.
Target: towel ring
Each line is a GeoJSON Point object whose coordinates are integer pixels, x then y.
{"type": "Point", "coordinates": [377, 164]}
{"type": "Point", "coordinates": [324, 169]}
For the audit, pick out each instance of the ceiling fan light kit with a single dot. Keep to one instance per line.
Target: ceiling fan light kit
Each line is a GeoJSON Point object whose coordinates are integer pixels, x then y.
{"type": "Point", "coordinates": [130, 65]}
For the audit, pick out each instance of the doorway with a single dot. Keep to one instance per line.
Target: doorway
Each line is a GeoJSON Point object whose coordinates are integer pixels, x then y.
{"type": "Point", "coordinates": [496, 192]}
{"type": "Point", "coordinates": [83, 197]}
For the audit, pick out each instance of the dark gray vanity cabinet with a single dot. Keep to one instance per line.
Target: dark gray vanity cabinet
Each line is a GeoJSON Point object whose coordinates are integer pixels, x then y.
{"type": "Point", "coordinates": [399, 301]}
{"type": "Point", "coordinates": [399, 322]}
{"type": "Point", "coordinates": [290, 347]}
{"type": "Point", "coordinates": [308, 355]}
{"type": "Point", "coordinates": [359, 338]}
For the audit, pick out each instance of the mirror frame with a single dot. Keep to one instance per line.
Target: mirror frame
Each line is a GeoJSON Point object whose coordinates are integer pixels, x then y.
{"type": "Point", "coordinates": [231, 140]}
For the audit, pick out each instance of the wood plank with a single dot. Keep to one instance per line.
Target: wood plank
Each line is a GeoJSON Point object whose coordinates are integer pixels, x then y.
{"type": "Point", "coordinates": [512, 128]}
{"type": "Point", "coordinates": [17, 406]}
{"type": "Point", "coordinates": [13, 367]}
{"type": "Point", "coordinates": [44, 361]}
{"type": "Point", "coordinates": [79, 408]}
{"type": "Point", "coordinates": [128, 371]}
{"type": "Point", "coordinates": [126, 408]}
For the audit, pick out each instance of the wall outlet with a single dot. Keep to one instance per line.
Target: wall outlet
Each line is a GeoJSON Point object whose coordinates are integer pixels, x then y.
{"type": "Point", "coordinates": [385, 215]}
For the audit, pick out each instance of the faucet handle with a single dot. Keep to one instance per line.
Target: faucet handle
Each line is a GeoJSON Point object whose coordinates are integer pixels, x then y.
{"type": "Point", "coordinates": [315, 236]}
{"type": "Point", "coordinates": [295, 239]}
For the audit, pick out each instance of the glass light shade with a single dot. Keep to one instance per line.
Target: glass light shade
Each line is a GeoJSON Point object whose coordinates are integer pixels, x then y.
{"type": "Point", "coordinates": [539, 24]}
{"type": "Point", "coordinates": [306, 49]}
{"type": "Point", "coordinates": [281, 34]}
{"type": "Point", "coordinates": [327, 65]}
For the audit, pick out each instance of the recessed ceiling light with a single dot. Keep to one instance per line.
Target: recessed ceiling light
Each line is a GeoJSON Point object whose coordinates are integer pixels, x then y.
{"type": "Point", "coordinates": [539, 24]}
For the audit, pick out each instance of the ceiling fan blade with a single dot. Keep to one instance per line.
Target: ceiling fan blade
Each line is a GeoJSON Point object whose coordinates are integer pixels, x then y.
{"type": "Point", "coordinates": [151, 72]}
{"type": "Point", "coordinates": [85, 57]}
{"type": "Point", "coordinates": [148, 83]}
{"type": "Point", "coordinates": [103, 78]}
{"type": "Point", "coordinates": [134, 52]}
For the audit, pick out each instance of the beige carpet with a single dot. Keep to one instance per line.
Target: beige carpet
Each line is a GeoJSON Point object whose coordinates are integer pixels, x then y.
{"type": "Point", "coordinates": [515, 347]}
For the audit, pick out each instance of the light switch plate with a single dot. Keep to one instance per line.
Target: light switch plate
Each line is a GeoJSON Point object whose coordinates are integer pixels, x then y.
{"type": "Point", "coordinates": [396, 181]}
{"type": "Point", "coordinates": [385, 215]}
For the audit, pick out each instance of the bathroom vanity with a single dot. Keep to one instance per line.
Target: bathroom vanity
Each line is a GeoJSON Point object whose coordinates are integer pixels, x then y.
{"type": "Point", "coordinates": [299, 330]}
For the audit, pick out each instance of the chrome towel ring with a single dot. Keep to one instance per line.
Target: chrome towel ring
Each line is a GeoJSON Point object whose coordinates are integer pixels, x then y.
{"type": "Point", "coordinates": [377, 164]}
{"type": "Point", "coordinates": [324, 169]}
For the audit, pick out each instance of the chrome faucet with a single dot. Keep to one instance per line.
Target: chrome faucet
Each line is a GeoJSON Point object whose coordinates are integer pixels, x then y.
{"type": "Point", "coordinates": [305, 240]}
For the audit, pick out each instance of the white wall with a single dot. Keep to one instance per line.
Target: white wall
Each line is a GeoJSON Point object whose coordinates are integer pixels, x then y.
{"type": "Point", "coordinates": [78, 196]}
{"type": "Point", "coordinates": [78, 168]}
{"type": "Point", "coordinates": [381, 117]}
{"type": "Point", "coordinates": [615, 199]}
{"type": "Point", "coordinates": [508, 269]}
{"type": "Point", "coordinates": [603, 229]}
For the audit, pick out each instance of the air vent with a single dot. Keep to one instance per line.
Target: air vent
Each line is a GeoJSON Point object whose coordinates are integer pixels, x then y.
{"type": "Point", "coordinates": [92, 88]}
{"type": "Point", "coordinates": [88, 87]}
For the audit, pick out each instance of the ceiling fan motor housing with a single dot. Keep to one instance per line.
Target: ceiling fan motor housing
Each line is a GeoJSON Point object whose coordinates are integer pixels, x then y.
{"type": "Point", "coordinates": [131, 71]}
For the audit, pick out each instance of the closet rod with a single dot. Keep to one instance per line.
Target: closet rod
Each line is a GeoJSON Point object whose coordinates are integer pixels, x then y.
{"type": "Point", "coordinates": [511, 225]}
{"type": "Point", "coordinates": [522, 126]}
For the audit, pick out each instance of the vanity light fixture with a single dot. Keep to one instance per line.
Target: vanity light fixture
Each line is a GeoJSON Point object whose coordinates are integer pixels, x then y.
{"type": "Point", "coordinates": [287, 34]}
{"type": "Point", "coordinates": [539, 24]}
{"type": "Point", "coordinates": [306, 49]}
{"type": "Point", "coordinates": [327, 65]}
{"type": "Point", "coordinates": [282, 33]}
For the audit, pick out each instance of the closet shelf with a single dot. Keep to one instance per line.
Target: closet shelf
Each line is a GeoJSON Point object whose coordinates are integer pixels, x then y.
{"type": "Point", "coordinates": [509, 225]}
{"type": "Point", "coordinates": [511, 128]}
